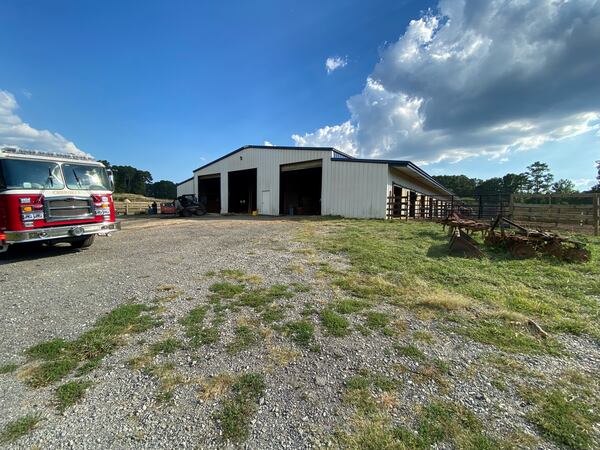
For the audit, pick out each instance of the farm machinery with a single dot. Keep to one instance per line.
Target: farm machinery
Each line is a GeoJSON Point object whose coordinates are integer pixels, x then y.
{"type": "Point", "coordinates": [521, 242]}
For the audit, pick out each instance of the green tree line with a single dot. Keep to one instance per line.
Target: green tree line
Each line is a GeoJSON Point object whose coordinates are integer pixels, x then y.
{"type": "Point", "coordinates": [537, 179]}
{"type": "Point", "coordinates": [131, 180]}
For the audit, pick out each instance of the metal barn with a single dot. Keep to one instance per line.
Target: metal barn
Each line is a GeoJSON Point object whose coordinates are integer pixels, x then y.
{"type": "Point", "coordinates": [313, 181]}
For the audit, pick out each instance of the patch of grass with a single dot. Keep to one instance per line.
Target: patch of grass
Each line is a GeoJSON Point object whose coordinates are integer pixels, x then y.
{"type": "Point", "coordinates": [226, 289]}
{"type": "Point", "coordinates": [377, 320]}
{"type": "Point", "coordinates": [168, 379]}
{"type": "Point", "coordinates": [260, 298]}
{"type": "Point", "coordinates": [19, 428]}
{"type": "Point", "coordinates": [423, 336]}
{"type": "Point", "coordinates": [195, 316]}
{"type": "Point", "coordinates": [53, 360]}
{"type": "Point", "coordinates": [282, 356]}
{"type": "Point", "coordinates": [272, 314]}
{"type": "Point", "coordinates": [165, 288]}
{"type": "Point", "coordinates": [165, 346]}
{"type": "Point", "coordinates": [300, 287]}
{"type": "Point", "coordinates": [409, 351]}
{"type": "Point", "coordinates": [350, 305]}
{"type": "Point", "coordinates": [8, 368]}
{"type": "Point", "coordinates": [301, 332]}
{"type": "Point", "coordinates": [203, 336]}
{"type": "Point", "coordinates": [309, 310]}
{"type": "Point", "coordinates": [508, 337]}
{"type": "Point", "coordinates": [245, 337]}
{"type": "Point", "coordinates": [407, 264]}
{"type": "Point", "coordinates": [565, 417]}
{"type": "Point", "coordinates": [48, 350]}
{"type": "Point", "coordinates": [240, 276]}
{"type": "Point", "coordinates": [238, 411]}
{"type": "Point", "coordinates": [439, 424]}
{"type": "Point", "coordinates": [216, 386]}
{"type": "Point", "coordinates": [335, 324]}
{"type": "Point", "coordinates": [70, 393]}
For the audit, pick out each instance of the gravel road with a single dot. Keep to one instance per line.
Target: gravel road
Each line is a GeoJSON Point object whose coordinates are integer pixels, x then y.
{"type": "Point", "coordinates": [60, 293]}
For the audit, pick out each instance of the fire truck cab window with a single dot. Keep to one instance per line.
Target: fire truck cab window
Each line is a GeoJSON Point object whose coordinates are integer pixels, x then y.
{"type": "Point", "coordinates": [22, 174]}
{"type": "Point", "coordinates": [79, 176]}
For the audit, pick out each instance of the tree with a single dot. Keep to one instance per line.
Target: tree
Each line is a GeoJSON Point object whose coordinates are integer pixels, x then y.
{"type": "Point", "coordinates": [461, 185]}
{"type": "Point", "coordinates": [597, 187]}
{"type": "Point", "coordinates": [539, 178]}
{"type": "Point", "coordinates": [564, 186]}
{"type": "Point", "coordinates": [162, 189]}
{"type": "Point", "coordinates": [490, 186]}
{"type": "Point", "coordinates": [514, 182]}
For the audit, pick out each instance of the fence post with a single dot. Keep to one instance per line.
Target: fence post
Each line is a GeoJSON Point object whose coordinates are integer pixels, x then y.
{"type": "Point", "coordinates": [126, 208]}
{"type": "Point", "coordinates": [597, 215]}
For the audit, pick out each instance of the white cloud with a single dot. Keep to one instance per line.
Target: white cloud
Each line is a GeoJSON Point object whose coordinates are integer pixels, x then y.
{"type": "Point", "coordinates": [16, 133]}
{"type": "Point", "coordinates": [268, 144]}
{"type": "Point", "coordinates": [478, 79]}
{"type": "Point", "coordinates": [584, 183]}
{"type": "Point", "coordinates": [335, 62]}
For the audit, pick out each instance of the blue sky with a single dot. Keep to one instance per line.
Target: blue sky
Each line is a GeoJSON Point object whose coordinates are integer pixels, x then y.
{"type": "Point", "coordinates": [173, 84]}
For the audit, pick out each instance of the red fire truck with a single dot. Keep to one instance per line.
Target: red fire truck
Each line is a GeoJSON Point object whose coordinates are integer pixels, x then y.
{"type": "Point", "coordinates": [53, 197]}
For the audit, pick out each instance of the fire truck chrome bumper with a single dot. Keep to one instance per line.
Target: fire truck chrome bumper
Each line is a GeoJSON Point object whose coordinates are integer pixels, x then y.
{"type": "Point", "coordinates": [42, 234]}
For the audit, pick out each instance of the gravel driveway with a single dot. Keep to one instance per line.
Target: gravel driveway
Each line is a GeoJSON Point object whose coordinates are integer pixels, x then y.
{"type": "Point", "coordinates": [176, 265]}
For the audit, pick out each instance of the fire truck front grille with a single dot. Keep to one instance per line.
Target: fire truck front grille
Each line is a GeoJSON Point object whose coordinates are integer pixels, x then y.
{"type": "Point", "coordinates": [65, 208]}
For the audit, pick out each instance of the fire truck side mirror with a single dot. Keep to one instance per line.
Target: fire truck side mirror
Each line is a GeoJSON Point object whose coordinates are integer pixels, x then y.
{"type": "Point", "coordinates": [111, 179]}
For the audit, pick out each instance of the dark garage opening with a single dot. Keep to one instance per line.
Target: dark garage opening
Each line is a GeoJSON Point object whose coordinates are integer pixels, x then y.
{"type": "Point", "coordinates": [209, 192]}
{"type": "Point", "coordinates": [242, 191]}
{"type": "Point", "coordinates": [300, 189]}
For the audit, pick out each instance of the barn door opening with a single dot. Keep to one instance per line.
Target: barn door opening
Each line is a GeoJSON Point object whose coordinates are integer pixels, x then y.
{"type": "Point", "coordinates": [242, 191]}
{"type": "Point", "coordinates": [300, 188]}
{"type": "Point", "coordinates": [412, 204]}
{"type": "Point", "coordinates": [209, 192]}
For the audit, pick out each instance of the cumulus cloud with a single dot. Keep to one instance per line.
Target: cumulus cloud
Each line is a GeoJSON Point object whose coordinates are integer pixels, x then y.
{"type": "Point", "coordinates": [478, 78]}
{"type": "Point", "coordinates": [335, 62]}
{"type": "Point", "coordinates": [16, 133]}
{"type": "Point", "coordinates": [268, 143]}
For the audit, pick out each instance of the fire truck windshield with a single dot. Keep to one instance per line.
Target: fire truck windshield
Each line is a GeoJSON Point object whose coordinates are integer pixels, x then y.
{"type": "Point", "coordinates": [23, 174]}
{"type": "Point", "coordinates": [79, 176]}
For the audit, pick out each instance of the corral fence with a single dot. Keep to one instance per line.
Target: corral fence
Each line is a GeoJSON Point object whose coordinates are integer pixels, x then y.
{"type": "Point", "coordinates": [573, 212]}
{"type": "Point", "coordinates": [133, 208]}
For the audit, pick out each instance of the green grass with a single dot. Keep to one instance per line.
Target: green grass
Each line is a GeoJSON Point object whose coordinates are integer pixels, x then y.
{"type": "Point", "coordinates": [260, 298]}
{"type": "Point", "coordinates": [439, 424]}
{"type": "Point", "coordinates": [273, 314]}
{"type": "Point", "coordinates": [567, 412]}
{"type": "Point", "coordinates": [19, 428]}
{"type": "Point", "coordinates": [226, 289]}
{"type": "Point", "coordinates": [377, 320]}
{"type": "Point", "coordinates": [70, 393]}
{"type": "Point", "coordinates": [407, 265]}
{"type": "Point", "coordinates": [301, 332]}
{"type": "Point", "coordinates": [165, 346]}
{"type": "Point", "coordinates": [350, 305]}
{"type": "Point", "coordinates": [335, 324]}
{"type": "Point", "coordinates": [409, 351]}
{"type": "Point", "coordinates": [245, 337]}
{"type": "Point", "coordinates": [55, 359]}
{"type": "Point", "coordinates": [238, 411]}
{"type": "Point", "coordinates": [195, 331]}
{"type": "Point", "coordinates": [8, 368]}
{"type": "Point", "coordinates": [300, 287]}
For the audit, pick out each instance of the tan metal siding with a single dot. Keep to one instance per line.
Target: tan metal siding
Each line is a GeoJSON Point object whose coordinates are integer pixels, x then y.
{"type": "Point", "coordinates": [355, 189]}
{"type": "Point", "coordinates": [185, 188]}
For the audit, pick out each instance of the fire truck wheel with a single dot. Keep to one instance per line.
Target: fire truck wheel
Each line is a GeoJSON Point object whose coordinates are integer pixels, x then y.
{"type": "Point", "coordinates": [186, 213]}
{"type": "Point", "coordinates": [83, 242]}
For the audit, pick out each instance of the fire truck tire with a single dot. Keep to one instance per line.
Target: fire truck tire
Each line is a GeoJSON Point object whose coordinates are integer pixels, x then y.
{"type": "Point", "coordinates": [186, 213]}
{"type": "Point", "coordinates": [83, 242]}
